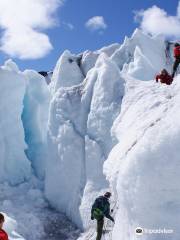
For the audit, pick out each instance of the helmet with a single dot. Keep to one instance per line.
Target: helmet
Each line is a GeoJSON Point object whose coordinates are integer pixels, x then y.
{"type": "Point", "coordinates": [107, 195]}
{"type": "Point", "coordinates": [176, 44]}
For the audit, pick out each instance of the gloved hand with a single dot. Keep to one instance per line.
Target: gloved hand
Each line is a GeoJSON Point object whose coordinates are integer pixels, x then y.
{"type": "Point", "coordinates": [92, 218]}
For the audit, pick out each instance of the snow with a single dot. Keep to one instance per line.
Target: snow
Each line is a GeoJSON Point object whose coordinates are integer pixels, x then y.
{"type": "Point", "coordinates": [88, 61]}
{"type": "Point", "coordinates": [107, 96]}
{"type": "Point", "coordinates": [116, 114]}
{"type": "Point", "coordinates": [29, 215]}
{"type": "Point", "coordinates": [67, 63]}
{"type": "Point", "coordinates": [150, 49]}
{"type": "Point", "coordinates": [11, 66]}
{"type": "Point", "coordinates": [109, 50]}
{"type": "Point", "coordinates": [143, 168]}
{"type": "Point", "coordinates": [89, 58]}
{"type": "Point", "coordinates": [139, 65]}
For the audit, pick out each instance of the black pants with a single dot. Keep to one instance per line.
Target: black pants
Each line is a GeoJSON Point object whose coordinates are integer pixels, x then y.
{"type": "Point", "coordinates": [100, 224]}
{"type": "Point", "coordinates": [175, 66]}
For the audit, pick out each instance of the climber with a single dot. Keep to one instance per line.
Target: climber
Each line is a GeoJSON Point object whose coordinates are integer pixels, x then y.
{"type": "Point", "coordinates": [101, 209]}
{"type": "Point", "coordinates": [164, 77]}
{"type": "Point", "coordinates": [177, 58]}
{"type": "Point", "coordinates": [3, 234]}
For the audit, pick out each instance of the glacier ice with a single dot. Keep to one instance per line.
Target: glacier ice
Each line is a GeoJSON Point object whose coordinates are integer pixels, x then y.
{"type": "Point", "coordinates": [66, 64]}
{"type": "Point", "coordinates": [101, 124]}
{"type": "Point", "coordinates": [111, 109]}
{"type": "Point", "coordinates": [78, 117]}
{"type": "Point", "coordinates": [35, 117]}
{"type": "Point", "coordinates": [143, 167]}
{"type": "Point", "coordinates": [15, 167]}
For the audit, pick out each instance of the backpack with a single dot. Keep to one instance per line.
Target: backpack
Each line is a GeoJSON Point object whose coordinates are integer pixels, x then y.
{"type": "Point", "coordinates": [99, 208]}
{"type": "Point", "coordinates": [98, 214]}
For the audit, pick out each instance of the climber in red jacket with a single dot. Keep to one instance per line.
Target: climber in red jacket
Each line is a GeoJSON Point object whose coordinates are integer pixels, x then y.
{"type": "Point", "coordinates": [164, 77]}
{"type": "Point", "coordinates": [3, 234]}
{"type": "Point", "coordinates": [177, 58]}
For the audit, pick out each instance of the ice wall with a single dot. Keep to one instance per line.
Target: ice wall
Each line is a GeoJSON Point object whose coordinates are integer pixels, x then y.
{"type": "Point", "coordinates": [35, 118]}
{"type": "Point", "coordinates": [67, 63]}
{"type": "Point", "coordinates": [143, 168]}
{"type": "Point", "coordinates": [77, 142]}
{"type": "Point", "coordinates": [82, 113]}
{"type": "Point", "coordinates": [99, 101]}
{"type": "Point", "coordinates": [15, 166]}
{"type": "Point", "coordinates": [23, 123]}
{"type": "Point", "coordinates": [141, 51]}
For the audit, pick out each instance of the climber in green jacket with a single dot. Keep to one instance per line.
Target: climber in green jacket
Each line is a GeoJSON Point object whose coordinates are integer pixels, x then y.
{"type": "Point", "coordinates": [101, 209]}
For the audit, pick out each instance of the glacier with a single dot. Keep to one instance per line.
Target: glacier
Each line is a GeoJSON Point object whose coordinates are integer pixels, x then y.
{"type": "Point", "coordinates": [82, 115]}
{"type": "Point", "coordinates": [25, 99]}
{"type": "Point", "coordinates": [15, 166]}
{"type": "Point", "coordinates": [78, 116]}
{"type": "Point", "coordinates": [101, 123]}
{"type": "Point", "coordinates": [143, 167]}
{"type": "Point", "coordinates": [34, 117]}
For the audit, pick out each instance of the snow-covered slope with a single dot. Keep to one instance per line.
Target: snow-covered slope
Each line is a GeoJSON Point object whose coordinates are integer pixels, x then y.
{"type": "Point", "coordinates": [143, 168]}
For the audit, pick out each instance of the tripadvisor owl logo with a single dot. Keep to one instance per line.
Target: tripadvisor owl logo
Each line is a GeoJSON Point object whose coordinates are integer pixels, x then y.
{"type": "Point", "coordinates": [139, 231]}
